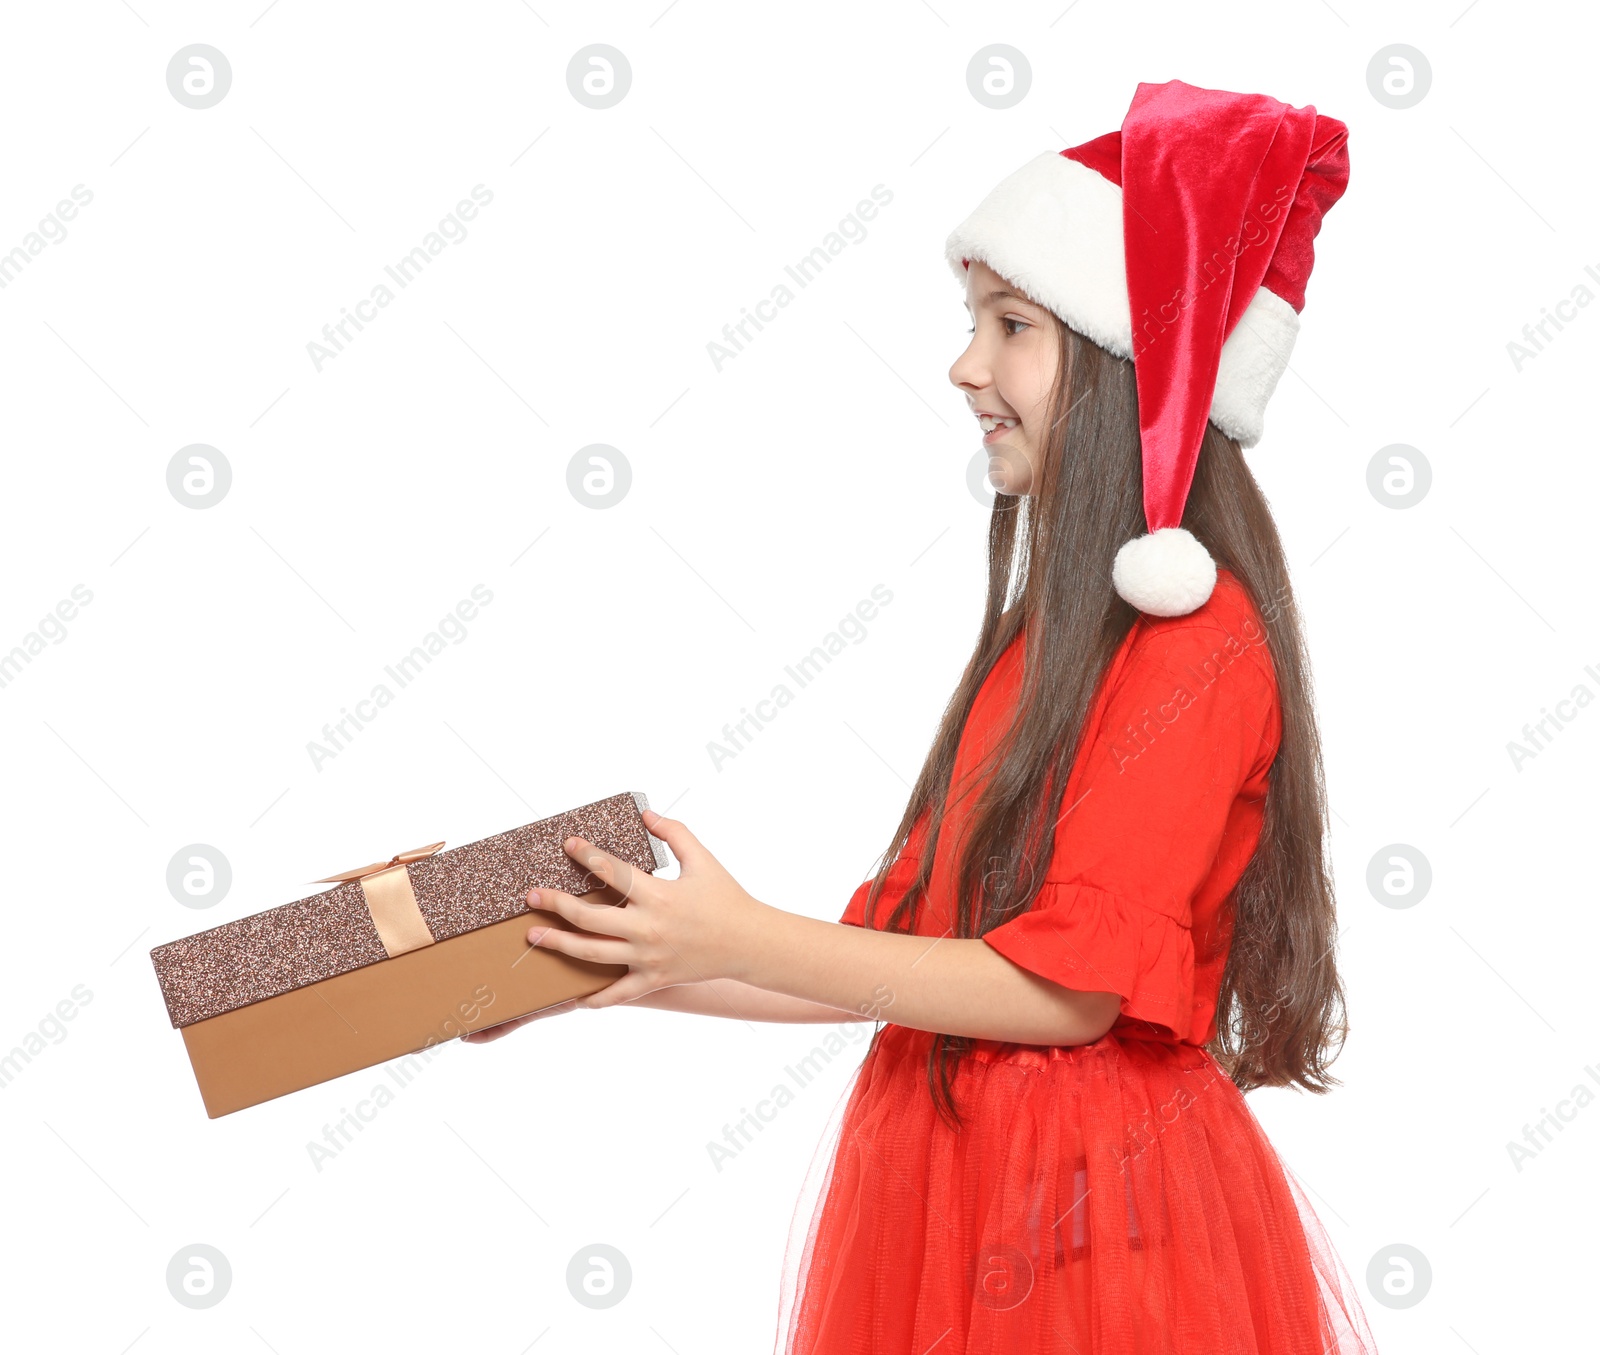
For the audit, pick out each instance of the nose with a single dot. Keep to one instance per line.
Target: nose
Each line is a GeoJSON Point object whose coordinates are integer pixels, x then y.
{"type": "Point", "coordinates": [969, 373]}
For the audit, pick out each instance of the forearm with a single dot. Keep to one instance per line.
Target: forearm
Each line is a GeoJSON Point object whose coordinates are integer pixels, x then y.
{"type": "Point", "coordinates": [954, 985]}
{"type": "Point", "coordinates": [731, 998]}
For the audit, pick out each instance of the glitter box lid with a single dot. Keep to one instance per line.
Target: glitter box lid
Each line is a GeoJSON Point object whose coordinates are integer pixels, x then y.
{"type": "Point", "coordinates": [460, 890]}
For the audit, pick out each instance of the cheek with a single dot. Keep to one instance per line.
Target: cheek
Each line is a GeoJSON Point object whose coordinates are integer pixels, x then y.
{"type": "Point", "coordinates": [1023, 375]}
{"type": "Point", "coordinates": [1041, 378]}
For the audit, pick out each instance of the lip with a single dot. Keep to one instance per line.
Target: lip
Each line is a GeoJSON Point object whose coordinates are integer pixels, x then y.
{"type": "Point", "coordinates": [998, 433]}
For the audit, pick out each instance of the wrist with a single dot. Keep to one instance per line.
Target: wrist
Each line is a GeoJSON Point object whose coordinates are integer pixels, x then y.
{"type": "Point", "coordinates": [751, 942]}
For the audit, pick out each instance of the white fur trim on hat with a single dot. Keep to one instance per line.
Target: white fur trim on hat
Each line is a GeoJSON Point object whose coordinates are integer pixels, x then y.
{"type": "Point", "coordinates": [1054, 227]}
{"type": "Point", "coordinates": [1253, 358]}
{"type": "Point", "coordinates": [1167, 573]}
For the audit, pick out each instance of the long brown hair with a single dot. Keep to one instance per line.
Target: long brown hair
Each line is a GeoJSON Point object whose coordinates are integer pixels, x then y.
{"type": "Point", "coordinates": [1280, 1014]}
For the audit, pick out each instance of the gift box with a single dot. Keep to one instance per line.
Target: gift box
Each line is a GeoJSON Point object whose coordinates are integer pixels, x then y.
{"type": "Point", "coordinates": [398, 956]}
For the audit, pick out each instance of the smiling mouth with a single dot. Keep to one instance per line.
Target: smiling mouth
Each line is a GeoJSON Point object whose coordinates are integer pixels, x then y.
{"type": "Point", "coordinates": [995, 428]}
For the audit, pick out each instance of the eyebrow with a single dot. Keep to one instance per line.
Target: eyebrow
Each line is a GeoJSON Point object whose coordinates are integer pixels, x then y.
{"type": "Point", "coordinates": [1000, 294]}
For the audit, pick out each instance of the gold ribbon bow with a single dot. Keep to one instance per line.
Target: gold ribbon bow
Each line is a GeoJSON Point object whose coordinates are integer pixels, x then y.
{"type": "Point", "coordinates": [386, 885]}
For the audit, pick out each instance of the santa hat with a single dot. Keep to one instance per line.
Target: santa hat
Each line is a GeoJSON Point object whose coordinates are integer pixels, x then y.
{"type": "Point", "coordinates": [1182, 241]}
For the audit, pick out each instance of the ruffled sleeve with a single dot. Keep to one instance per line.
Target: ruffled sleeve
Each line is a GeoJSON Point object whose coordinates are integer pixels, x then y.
{"type": "Point", "coordinates": [855, 912]}
{"type": "Point", "coordinates": [901, 874]}
{"type": "Point", "coordinates": [1185, 722]}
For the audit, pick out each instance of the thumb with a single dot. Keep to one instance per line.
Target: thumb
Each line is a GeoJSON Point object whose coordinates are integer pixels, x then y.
{"type": "Point", "coordinates": [685, 845]}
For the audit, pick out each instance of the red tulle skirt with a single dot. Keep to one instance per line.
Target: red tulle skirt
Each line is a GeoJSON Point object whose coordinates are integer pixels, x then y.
{"type": "Point", "coordinates": [1118, 1198]}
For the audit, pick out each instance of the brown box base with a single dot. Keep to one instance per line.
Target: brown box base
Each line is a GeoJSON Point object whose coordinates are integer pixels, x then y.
{"type": "Point", "coordinates": [355, 1020]}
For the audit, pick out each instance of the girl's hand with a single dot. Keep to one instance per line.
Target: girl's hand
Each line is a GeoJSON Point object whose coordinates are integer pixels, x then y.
{"type": "Point", "coordinates": [698, 927]}
{"type": "Point", "coordinates": [491, 1033]}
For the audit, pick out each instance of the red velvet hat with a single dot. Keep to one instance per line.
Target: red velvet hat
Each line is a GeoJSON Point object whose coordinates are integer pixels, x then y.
{"type": "Point", "coordinates": [1183, 242]}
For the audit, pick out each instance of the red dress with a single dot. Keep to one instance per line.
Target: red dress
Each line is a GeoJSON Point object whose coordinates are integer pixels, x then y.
{"type": "Point", "coordinates": [1116, 1198]}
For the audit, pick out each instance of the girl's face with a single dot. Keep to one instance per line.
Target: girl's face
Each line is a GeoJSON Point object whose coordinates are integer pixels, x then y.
{"type": "Point", "coordinates": [1006, 374]}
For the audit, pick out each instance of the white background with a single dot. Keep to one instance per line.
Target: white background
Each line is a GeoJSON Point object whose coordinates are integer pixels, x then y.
{"type": "Point", "coordinates": [767, 501]}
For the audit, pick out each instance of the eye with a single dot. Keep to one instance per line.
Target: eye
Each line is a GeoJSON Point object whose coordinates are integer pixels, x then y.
{"type": "Point", "coordinates": [1012, 320]}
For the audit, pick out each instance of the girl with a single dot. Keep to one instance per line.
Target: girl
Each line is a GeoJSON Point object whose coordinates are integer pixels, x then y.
{"type": "Point", "coordinates": [1108, 911]}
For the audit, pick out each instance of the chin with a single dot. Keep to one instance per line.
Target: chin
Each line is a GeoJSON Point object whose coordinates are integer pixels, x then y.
{"type": "Point", "coordinates": [1009, 471]}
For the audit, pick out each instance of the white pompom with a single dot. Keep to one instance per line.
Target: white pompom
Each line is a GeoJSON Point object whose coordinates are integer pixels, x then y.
{"type": "Point", "coordinates": [1167, 573]}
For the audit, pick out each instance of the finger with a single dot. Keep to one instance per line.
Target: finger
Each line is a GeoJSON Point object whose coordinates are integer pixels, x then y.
{"type": "Point", "coordinates": [603, 919]}
{"type": "Point", "coordinates": [581, 945]}
{"type": "Point", "coordinates": [492, 1033]}
{"type": "Point", "coordinates": [685, 845]}
{"type": "Point", "coordinates": [625, 989]}
{"type": "Point", "coordinates": [618, 874]}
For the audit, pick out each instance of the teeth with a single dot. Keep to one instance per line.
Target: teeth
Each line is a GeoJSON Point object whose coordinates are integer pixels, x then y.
{"type": "Point", "coordinates": [989, 423]}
